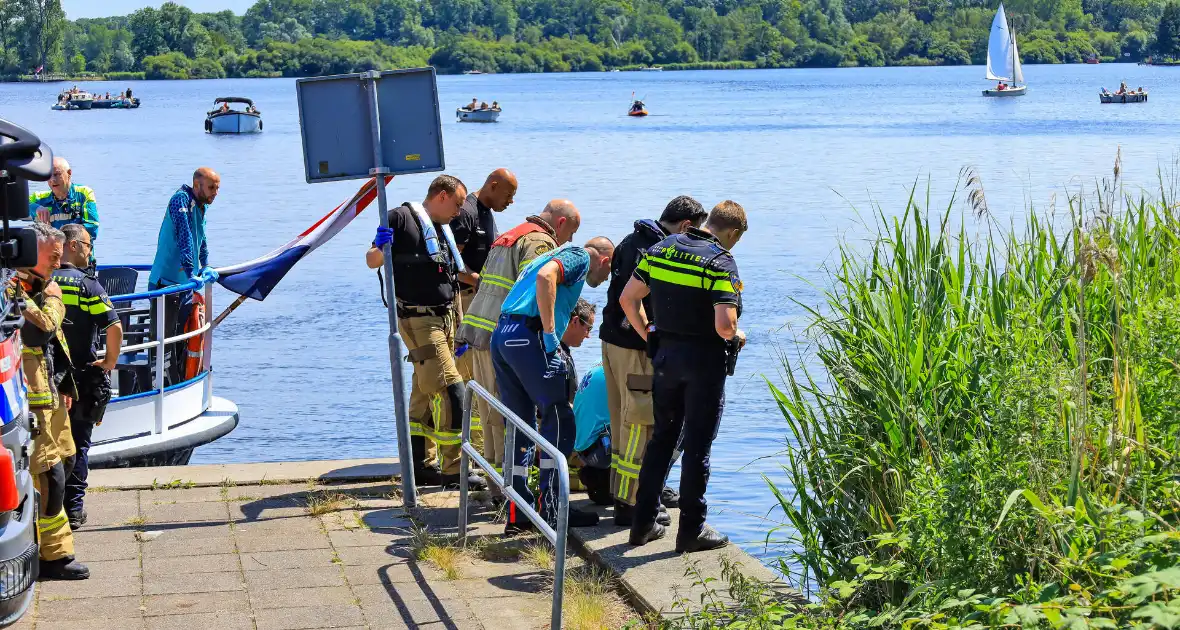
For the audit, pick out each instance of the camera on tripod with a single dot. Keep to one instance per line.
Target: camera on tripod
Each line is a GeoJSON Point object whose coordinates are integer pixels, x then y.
{"type": "Point", "coordinates": [22, 159]}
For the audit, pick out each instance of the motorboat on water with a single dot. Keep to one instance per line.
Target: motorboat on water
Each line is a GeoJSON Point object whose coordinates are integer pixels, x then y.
{"type": "Point", "coordinates": [223, 118]}
{"type": "Point", "coordinates": [652, 69]}
{"type": "Point", "coordinates": [150, 420]}
{"type": "Point", "coordinates": [74, 99]}
{"type": "Point", "coordinates": [1003, 60]}
{"type": "Point", "coordinates": [1122, 96]}
{"type": "Point", "coordinates": [116, 102]}
{"type": "Point", "coordinates": [482, 115]}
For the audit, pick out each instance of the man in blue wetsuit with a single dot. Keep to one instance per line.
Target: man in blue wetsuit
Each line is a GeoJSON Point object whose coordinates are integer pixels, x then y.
{"type": "Point", "coordinates": [182, 256]}
{"type": "Point", "coordinates": [530, 366]}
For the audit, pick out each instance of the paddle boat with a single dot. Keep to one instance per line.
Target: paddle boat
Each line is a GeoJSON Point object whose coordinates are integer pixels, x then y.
{"type": "Point", "coordinates": [151, 421]}
{"type": "Point", "coordinates": [225, 119]}
{"type": "Point", "coordinates": [1122, 96]}
{"type": "Point", "coordinates": [638, 109]}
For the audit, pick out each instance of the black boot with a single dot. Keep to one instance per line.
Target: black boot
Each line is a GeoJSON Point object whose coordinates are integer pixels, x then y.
{"type": "Point", "coordinates": [424, 474]}
{"type": "Point", "coordinates": [474, 481]}
{"type": "Point", "coordinates": [597, 482]}
{"type": "Point", "coordinates": [642, 535]}
{"type": "Point", "coordinates": [669, 498]}
{"type": "Point", "coordinates": [77, 519]}
{"type": "Point", "coordinates": [580, 518]}
{"type": "Point", "coordinates": [625, 515]}
{"type": "Point", "coordinates": [63, 569]}
{"type": "Point", "coordinates": [708, 539]}
{"type": "Point", "coordinates": [523, 526]}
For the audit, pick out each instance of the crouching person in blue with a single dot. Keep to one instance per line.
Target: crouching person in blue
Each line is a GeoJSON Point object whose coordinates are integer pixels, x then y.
{"type": "Point", "coordinates": [531, 368]}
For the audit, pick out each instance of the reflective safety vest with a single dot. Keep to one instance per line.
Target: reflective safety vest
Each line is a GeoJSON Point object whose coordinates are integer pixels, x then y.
{"type": "Point", "coordinates": [510, 253]}
{"type": "Point", "coordinates": [195, 345]}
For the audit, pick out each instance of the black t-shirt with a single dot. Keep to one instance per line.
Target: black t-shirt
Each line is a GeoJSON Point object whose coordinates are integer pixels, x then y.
{"type": "Point", "coordinates": [615, 328]}
{"type": "Point", "coordinates": [88, 312]}
{"type": "Point", "coordinates": [418, 278]}
{"type": "Point", "coordinates": [475, 230]}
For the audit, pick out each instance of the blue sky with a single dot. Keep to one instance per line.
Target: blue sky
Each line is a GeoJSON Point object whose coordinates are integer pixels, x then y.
{"type": "Point", "coordinates": [104, 8]}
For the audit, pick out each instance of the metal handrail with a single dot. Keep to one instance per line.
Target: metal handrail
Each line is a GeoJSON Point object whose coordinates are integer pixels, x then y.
{"type": "Point", "coordinates": [512, 424]}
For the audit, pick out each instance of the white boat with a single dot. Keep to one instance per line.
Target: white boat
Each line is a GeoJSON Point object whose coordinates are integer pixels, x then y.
{"type": "Point", "coordinates": [150, 421]}
{"type": "Point", "coordinates": [477, 115]}
{"type": "Point", "coordinates": [74, 100]}
{"type": "Point", "coordinates": [226, 119]}
{"type": "Point", "coordinates": [1127, 97]}
{"type": "Point", "coordinates": [652, 69]}
{"type": "Point", "coordinates": [1003, 60]}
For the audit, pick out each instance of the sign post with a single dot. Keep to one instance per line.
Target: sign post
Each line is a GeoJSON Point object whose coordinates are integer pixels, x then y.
{"type": "Point", "coordinates": [348, 135]}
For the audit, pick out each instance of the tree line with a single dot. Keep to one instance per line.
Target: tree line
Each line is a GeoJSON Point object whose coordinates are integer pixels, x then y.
{"type": "Point", "coordinates": [312, 37]}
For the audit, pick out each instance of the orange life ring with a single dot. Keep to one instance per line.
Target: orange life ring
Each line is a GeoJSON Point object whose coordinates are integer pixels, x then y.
{"type": "Point", "coordinates": [195, 345]}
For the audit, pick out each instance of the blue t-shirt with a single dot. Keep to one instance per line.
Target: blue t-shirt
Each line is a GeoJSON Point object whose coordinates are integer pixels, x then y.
{"type": "Point", "coordinates": [591, 414]}
{"type": "Point", "coordinates": [522, 299]}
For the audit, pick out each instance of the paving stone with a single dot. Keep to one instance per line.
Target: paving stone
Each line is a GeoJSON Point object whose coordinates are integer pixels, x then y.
{"type": "Point", "coordinates": [106, 587]}
{"type": "Point", "coordinates": [298, 559]}
{"type": "Point", "coordinates": [310, 617]}
{"type": "Point", "coordinates": [112, 498]}
{"type": "Point", "coordinates": [127, 550]}
{"type": "Point", "coordinates": [184, 495]}
{"type": "Point", "coordinates": [267, 510]}
{"type": "Point", "coordinates": [51, 608]}
{"type": "Point", "coordinates": [190, 531]}
{"type": "Point", "coordinates": [258, 493]}
{"type": "Point", "coordinates": [192, 583]}
{"type": "Point", "coordinates": [302, 525]}
{"type": "Point", "coordinates": [306, 577]}
{"type": "Point", "coordinates": [88, 536]}
{"type": "Point", "coordinates": [414, 612]}
{"type": "Point", "coordinates": [164, 547]}
{"type": "Point", "coordinates": [389, 519]}
{"type": "Point", "coordinates": [110, 568]}
{"type": "Point", "coordinates": [169, 565]}
{"type": "Point", "coordinates": [100, 514]}
{"type": "Point", "coordinates": [186, 513]}
{"type": "Point", "coordinates": [298, 597]}
{"type": "Point", "coordinates": [196, 603]}
{"type": "Point", "coordinates": [135, 623]}
{"type": "Point", "coordinates": [202, 621]}
{"type": "Point", "coordinates": [388, 574]}
{"type": "Point", "coordinates": [382, 594]}
{"type": "Point", "coordinates": [371, 556]}
{"type": "Point", "coordinates": [360, 538]}
{"type": "Point", "coordinates": [255, 543]}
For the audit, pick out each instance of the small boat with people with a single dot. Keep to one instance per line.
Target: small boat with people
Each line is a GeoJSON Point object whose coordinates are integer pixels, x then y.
{"type": "Point", "coordinates": [637, 107]}
{"type": "Point", "coordinates": [122, 100]}
{"type": "Point", "coordinates": [479, 112]}
{"type": "Point", "coordinates": [223, 118]}
{"type": "Point", "coordinates": [1123, 95]}
{"type": "Point", "coordinates": [74, 98]}
{"type": "Point", "coordinates": [1003, 60]}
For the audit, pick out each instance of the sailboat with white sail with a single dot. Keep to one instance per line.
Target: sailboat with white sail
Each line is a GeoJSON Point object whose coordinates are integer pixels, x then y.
{"type": "Point", "coordinates": [1003, 60]}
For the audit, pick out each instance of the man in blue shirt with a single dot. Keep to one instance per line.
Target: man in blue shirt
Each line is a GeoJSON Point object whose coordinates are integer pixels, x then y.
{"type": "Point", "coordinates": [66, 202]}
{"type": "Point", "coordinates": [182, 256]}
{"type": "Point", "coordinates": [530, 366]}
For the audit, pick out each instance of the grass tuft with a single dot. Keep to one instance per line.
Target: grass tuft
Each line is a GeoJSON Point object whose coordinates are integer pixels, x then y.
{"type": "Point", "coordinates": [445, 553]}
{"type": "Point", "coordinates": [323, 502]}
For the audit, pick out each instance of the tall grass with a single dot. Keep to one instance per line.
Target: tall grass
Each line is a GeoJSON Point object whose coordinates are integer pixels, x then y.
{"type": "Point", "coordinates": [993, 423]}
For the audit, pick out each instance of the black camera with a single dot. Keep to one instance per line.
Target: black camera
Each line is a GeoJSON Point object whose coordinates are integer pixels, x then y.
{"type": "Point", "coordinates": [22, 159]}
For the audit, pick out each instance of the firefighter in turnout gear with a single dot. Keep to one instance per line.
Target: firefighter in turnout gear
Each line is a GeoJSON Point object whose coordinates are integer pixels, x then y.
{"type": "Point", "coordinates": [475, 232]}
{"type": "Point", "coordinates": [625, 362]}
{"type": "Point", "coordinates": [511, 252]}
{"type": "Point", "coordinates": [427, 268]}
{"type": "Point", "coordinates": [694, 338]}
{"type": "Point", "coordinates": [46, 362]}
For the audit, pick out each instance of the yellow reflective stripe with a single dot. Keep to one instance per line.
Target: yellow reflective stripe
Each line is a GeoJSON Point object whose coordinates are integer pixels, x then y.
{"type": "Point", "coordinates": [488, 276]}
{"type": "Point", "coordinates": [723, 285]}
{"type": "Point", "coordinates": [678, 278]}
{"type": "Point", "coordinates": [672, 263]}
{"type": "Point", "coordinates": [40, 398]}
{"type": "Point", "coordinates": [417, 430]}
{"type": "Point", "coordinates": [69, 300]}
{"type": "Point", "coordinates": [620, 463]}
{"type": "Point", "coordinates": [497, 283]}
{"type": "Point", "coordinates": [67, 288]}
{"type": "Point", "coordinates": [96, 309]}
{"type": "Point", "coordinates": [30, 350]}
{"type": "Point", "coordinates": [50, 523]}
{"type": "Point", "coordinates": [479, 322]}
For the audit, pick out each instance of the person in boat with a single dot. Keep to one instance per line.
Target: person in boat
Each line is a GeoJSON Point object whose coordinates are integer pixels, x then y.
{"type": "Point", "coordinates": [625, 358]}
{"type": "Point", "coordinates": [1122, 88]}
{"type": "Point", "coordinates": [88, 313]}
{"type": "Point", "coordinates": [426, 266]}
{"type": "Point", "coordinates": [224, 107]}
{"type": "Point", "coordinates": [511, 252]}
{"type": "Point", "coordinates": [531, 367]}
{"type": "Point", "coordinates": [46, 364]}
{"type": "Point", "coordinates": [695, 331]}
{"type": "Point", "coordinates": [182, 256]}
{"type": "Point", "coordinates": [483, 105]}
{"type": "Point", "coordinates": [472, 106]}
{"type": "Point", "coordinates": [66, 202]}
{"type": "Point", "coordinates": [495, 106]}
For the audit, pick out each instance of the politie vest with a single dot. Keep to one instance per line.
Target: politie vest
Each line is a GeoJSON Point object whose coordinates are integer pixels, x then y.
{"type": "Point", "coordinates": [510, 253]}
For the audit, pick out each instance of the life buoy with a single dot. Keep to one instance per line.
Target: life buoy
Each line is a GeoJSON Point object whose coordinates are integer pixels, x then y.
{"type": "Point", "coordinates": [195, 345]}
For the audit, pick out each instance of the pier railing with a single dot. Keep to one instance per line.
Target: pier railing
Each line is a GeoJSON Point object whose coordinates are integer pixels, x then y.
{"type": "Point", "coordinates": [513, 424]}
{"type": "Point", "coordinates": [157, 354]}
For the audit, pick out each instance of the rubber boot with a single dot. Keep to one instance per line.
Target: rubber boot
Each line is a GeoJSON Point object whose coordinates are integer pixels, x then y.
{"type": "Point", "coordinates": [708, 539]}
{"type": "Point", "coordinates": [642, 535]}
{"type": "Point", "coordinates": [63, 569]}
{"type": "Point", "coordinates": [424, 474]}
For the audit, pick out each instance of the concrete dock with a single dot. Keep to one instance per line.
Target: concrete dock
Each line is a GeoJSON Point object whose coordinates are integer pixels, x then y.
{"type": "Point", "coordinates": [327, 545]}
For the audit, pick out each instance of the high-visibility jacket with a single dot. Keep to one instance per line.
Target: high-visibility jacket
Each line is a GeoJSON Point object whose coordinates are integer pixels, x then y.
{"type": "Point", "coordinates": [45, 353]}
{"type": "Point", "coordinates": [510, 253]}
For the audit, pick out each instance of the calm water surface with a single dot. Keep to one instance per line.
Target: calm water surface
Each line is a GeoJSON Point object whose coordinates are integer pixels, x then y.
{"type": "Point", "coordinates": [807, 152]}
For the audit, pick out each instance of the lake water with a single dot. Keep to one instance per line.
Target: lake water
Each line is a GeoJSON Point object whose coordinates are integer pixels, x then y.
{"type": "Point", "coordinates": [807, 152]}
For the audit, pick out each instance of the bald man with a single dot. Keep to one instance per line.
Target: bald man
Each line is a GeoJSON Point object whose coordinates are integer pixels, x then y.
{"type": "Point", "coordinates": [510, 252]}
{"type": "Point", "coordinates": [182, 256]}
{"type": "Point", "coordinates": [65, 203]}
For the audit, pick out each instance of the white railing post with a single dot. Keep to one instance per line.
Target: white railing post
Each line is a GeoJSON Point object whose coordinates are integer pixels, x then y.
{"type": "Point", "coordinates": [207, 346]}
{"type": "Point", "coordinates": [161, 317]}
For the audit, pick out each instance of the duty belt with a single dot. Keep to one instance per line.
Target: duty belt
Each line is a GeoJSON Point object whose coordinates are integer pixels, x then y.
{"type": "Point", "coordinates": [407, 311]}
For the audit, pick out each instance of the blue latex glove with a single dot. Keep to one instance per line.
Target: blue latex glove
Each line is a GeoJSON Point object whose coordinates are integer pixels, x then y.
{"type": "Point", "coordinates": [461, 350]}
{"type": "Point", "coordinates": [208, 275]}
{"type": "Point", "coordinates": [552, 343]}
{"type": "Point", "coordinates": [384, 237]}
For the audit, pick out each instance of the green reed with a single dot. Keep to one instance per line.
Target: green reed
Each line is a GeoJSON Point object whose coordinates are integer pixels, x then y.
{"type": "Point", "coordinates": [998, 409]}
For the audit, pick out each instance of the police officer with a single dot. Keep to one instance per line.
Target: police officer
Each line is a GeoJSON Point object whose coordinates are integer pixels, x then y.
{"type": "Point", "coordinates": [46, 364]}
{"type": "Point", "coordinates": [626, 365]}
{"type": "Point", "coordinates": [475, 231]}
{"type": "Point", "coordinates": [426, 268]}
{"type": "Point", "coordinates": [696, 300]}
{"type": "Point", "coordinates": [88, 312]}
{"type": "Point", "coordinates": [66, 202]}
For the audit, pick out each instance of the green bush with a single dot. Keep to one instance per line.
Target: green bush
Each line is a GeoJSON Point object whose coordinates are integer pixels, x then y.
{"type": "Point", "coordinates": [124, 76]}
